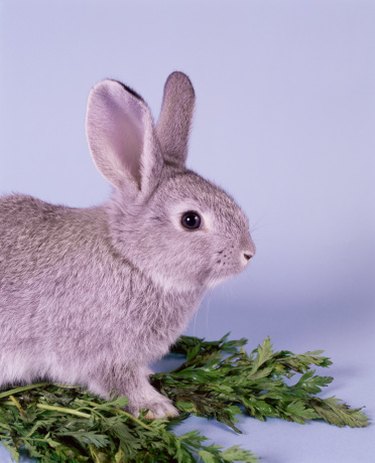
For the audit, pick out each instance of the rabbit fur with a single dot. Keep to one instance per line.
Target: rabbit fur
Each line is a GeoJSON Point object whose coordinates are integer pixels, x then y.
{"type": "Point", "coordinates": [91, 296]}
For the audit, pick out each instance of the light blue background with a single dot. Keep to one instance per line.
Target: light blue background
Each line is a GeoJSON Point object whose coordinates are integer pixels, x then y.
{"type": "Point", "coordinates": [285, 121]}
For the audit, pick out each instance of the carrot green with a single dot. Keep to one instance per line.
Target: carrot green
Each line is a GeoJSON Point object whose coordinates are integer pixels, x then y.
{"type": "Point", "coordinates": [216, 379]}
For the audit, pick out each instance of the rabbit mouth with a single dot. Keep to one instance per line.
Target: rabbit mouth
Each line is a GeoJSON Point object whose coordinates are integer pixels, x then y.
{"type": "Point", "coordinates": [223, 273]}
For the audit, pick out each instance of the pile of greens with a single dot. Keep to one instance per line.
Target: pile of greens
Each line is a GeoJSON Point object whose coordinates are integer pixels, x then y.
{"type": "Point", "coordinates": [217, 379]}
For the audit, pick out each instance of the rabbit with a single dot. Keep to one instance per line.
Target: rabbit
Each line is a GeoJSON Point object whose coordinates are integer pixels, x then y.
{"type": "Point", "coordinates": [92, 296]}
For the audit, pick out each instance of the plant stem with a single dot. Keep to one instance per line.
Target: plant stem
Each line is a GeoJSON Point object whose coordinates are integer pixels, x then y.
{"type": "Point", "coordinates": [19, 389]}
{"type": "Point", "coordinates": [70, 411]}
{"type": "Point", "coordinates": [136, 420]}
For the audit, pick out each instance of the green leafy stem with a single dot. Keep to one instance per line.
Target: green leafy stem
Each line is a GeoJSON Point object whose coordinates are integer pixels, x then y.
{"type": "Point", "coordinates": [216, 379]}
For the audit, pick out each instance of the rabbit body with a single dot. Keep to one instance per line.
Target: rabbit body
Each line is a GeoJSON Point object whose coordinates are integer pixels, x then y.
{"type": "Point", "coordinates": [91, 296]}
{"type": "Point", "coordinates": [86, 318]}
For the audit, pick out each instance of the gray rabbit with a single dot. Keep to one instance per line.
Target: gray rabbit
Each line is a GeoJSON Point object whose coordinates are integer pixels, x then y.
{"type": "Point", "coordinates": [92, 296]}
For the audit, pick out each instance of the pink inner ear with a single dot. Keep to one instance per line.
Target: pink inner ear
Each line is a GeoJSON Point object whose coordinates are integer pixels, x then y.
{"type": "Point", "coordinates": [115, 128]}
{"type": "Point", "coordinates": [127, 143]}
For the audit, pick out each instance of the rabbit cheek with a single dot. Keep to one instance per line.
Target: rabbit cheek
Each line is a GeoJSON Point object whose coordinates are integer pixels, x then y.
{"type": "Point", "coordinates": [226, 264]}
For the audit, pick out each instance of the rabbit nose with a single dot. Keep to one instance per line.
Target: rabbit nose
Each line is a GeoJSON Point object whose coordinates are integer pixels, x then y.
{"type": "Point", "coordinates": [247, 255]}
{"type": "Point", "coordinates": [248, 251]}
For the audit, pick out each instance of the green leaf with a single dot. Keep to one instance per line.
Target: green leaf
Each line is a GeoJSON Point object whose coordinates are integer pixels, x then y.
{"type": "Point", "coordinates": [88, 437]}
{"type": "Point", "coordinates": [336, 412]}
{"type": "Point", "coordinates": [235, 453]}
{"type": "Point", "coordinates": [207, 457]}
{"type": "Point", "coordinates": [186, 406]}
{"type": "Point", "coordinates": [263, 354]}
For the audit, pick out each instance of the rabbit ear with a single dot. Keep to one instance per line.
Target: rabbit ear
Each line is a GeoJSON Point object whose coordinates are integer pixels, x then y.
{"type": "Point", "coordinates": [174, 122]}
{"type": "Point", "coordinates": [122, 138]}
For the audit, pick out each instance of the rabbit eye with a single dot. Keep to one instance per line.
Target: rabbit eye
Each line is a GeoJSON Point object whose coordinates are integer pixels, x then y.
{"type": "Point", "coordinates": [191, 220]}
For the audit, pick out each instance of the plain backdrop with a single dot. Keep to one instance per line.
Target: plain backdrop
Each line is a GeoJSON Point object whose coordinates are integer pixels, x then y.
{"type": "Point", "coordinates": [285, 121]}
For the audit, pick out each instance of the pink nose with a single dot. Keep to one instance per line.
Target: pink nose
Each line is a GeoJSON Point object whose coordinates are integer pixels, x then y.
{"type": "Point", "coordinates": [248, 249]}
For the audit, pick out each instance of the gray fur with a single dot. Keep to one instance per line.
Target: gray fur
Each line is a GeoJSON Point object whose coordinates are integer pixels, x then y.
{"type": "Point", "coordinates": [175, 118]}
{"type": "Point", "coordinates": [92, 296]}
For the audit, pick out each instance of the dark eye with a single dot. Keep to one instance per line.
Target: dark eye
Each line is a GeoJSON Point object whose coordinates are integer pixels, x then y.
{"type": "Point", "coordinates": [191, 220]}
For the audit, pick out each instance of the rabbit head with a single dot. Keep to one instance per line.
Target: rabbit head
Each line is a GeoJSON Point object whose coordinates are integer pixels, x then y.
{"type": "Point", "coordinates": [177, 228]}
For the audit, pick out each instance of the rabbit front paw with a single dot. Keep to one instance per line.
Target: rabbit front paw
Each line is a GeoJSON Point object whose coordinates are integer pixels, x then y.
{"type": "Point", "coordinates": [157, 407]}
{"type": "Point", "coordinates": [161, 409]}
